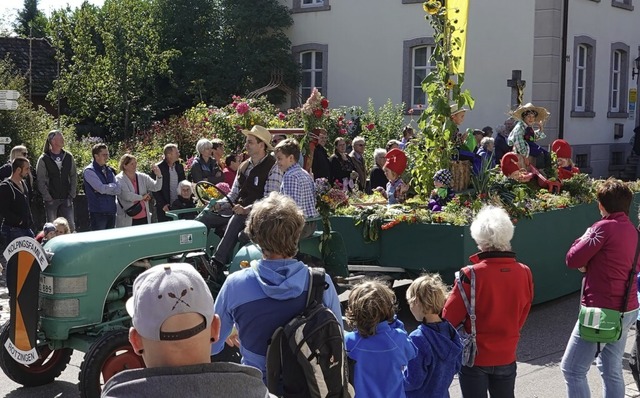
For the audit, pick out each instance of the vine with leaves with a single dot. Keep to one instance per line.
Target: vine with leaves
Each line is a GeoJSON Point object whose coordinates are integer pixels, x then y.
{"type": "Point", "coordinates": [442, 88]}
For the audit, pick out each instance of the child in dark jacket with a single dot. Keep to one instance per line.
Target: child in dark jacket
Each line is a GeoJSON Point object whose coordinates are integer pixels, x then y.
{"type": "Point", "coordinates": [379, 345]}
{"type": "Point", "coordinates": [439, 348]}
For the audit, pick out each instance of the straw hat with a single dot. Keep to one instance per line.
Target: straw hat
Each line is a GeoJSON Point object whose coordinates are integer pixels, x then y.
{"type": "Point", "coordinates": [260, 133]}
{"type": "Point", "coordinates": [455, 109]}
{"type": "Point", "coordinates": [542, 113]}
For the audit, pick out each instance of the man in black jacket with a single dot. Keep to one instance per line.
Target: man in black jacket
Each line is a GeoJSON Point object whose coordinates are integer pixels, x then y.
{"type": "Point", "coordinates": [321, 166]}
{"type": "Point", "coordinates": [172, 173]}
{"type": "Point", "coordinates": [257, 177]}
{"type": "Point", "coordinates": [57, 179]}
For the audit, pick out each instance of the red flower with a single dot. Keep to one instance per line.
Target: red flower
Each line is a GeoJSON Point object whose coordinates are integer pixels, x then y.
{"type": "Point", "coordinates": [343, 131]}
{"type": "Point", "coordinates": [242, 108]}
{"type": "Point", "coordinates": [370, 126]}
{"type": "Point", "coordinates": [318, 113]}
{"type": "Point", "coordinates": [281, 116]}
{"type": "Point", "coordinates": [206, 119]}
{"type": "Point", "coordinates": [324, 103]}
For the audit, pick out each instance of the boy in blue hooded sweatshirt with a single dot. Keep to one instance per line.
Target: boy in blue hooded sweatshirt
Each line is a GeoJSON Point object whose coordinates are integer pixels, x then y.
{"type": "Point", "coordinates": [261, 298]}
{"type": "Point", "coordinates": [439, 348]}
{"type": "Point", "coordinates": [379, 344]}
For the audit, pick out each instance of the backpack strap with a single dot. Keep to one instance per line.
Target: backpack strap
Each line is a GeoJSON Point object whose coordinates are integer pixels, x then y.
{"type": "Point", "coordinates": [317, 286]}
{"type": "Point", "coordinates": [471, 306]}
{"type": "Point", "coordinates": [274, 360]}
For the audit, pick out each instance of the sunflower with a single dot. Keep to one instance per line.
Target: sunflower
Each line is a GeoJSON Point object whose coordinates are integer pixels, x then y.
{"type": "Point", "coordinates": [450, 84]}
{"type": "Point", "coordinates": [431, 7]}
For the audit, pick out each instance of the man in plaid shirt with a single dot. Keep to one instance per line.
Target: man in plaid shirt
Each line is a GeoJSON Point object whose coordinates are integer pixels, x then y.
{"type": "Point", "coordinates": [296, 182]}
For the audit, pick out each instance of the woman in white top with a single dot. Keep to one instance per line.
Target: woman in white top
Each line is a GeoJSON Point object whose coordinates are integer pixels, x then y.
{"type": "Point", "coordinates": [135, 188]}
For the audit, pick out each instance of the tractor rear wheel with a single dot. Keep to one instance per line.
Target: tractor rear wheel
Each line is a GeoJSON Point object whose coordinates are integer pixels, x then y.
{"type": "Point", "coordinates": [49, 365]}
{"type": "Point", "coordinates": [110, 354]}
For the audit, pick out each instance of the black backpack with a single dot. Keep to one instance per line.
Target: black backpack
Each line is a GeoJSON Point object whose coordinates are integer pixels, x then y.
{"type": "Point", "coordinates": [306, 357]}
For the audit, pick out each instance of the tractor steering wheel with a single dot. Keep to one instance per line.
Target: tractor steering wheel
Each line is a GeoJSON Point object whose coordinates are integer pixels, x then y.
{"type": "Point", "coordinates": [200, 193]}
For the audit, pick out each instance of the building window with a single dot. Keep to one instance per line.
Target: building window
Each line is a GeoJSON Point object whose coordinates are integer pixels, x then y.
{"type": "Point", "coordinates": [582, 161]}
{"type": "Point", "coordinates": [583, 76]}
{"type": "Point", "coordinates": [313, 62]}
{"type": "Point", "coordinates": [310, 6]}
{"type": "Point", "coordinates": [416, 65]}
{"type": "Point", "coordinates": [617, 158]}
{"type": "Point", "coordinates": [624, 4]}
{"type": "Point", "coordinates": [618, 81]}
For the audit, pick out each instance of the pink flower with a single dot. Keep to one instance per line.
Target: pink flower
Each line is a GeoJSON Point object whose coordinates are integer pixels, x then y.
{"type": "Point", "coordinates": [343, 131]}
{"type": "Point", "coordinates": [370, 126]}
{"type": "Point", "coordinates": [224, 187]}
{"type": "Point", "coordinates": [242, 108]}
{"type": "Point", "coordinates": [410, 111]}
{"type": "Point", "coordinates": [340, 123]}
{"type": "Point", "coordinates": [281, 116]}
{"type": "Point", "coordinates": [324, 103]}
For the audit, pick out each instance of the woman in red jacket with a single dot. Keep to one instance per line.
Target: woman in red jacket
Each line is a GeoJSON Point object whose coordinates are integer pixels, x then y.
{"type": "Point", "coordinates": [605, 253]}
{"type": "Point", "coordinates": [504, 292]}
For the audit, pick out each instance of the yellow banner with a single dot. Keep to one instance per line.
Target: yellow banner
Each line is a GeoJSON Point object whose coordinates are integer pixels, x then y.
{"type": "Point", "coordinates": [457, 12]}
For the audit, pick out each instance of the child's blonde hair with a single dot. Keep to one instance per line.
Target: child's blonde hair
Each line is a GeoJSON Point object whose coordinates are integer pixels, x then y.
{"type": "Point", "coordinates": [429, 292]}
{"type": "Point", "coordinates": [370, 303]}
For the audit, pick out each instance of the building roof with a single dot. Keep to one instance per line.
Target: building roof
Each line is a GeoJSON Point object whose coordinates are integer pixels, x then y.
{"type": "Point", "coordinates": [43, 62]}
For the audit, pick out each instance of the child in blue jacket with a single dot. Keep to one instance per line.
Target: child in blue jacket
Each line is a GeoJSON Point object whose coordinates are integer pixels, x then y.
{"type": "Point", "coordinates": [439, 348]}
{"type": "Point", "coordinates": [379, 345]}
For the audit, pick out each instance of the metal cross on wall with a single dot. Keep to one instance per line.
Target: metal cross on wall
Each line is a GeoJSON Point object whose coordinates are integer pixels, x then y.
{"type": "Point", "coordinates": [517, 88]}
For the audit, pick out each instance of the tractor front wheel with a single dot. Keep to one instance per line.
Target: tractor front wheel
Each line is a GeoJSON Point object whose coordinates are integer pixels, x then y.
{"type": "Point", "coordinates": [110, 354]}
{"type": "Point", "coordinates": [49, 365]}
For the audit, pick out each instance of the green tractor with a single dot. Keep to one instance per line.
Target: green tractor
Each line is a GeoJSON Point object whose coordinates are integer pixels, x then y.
{"type": "Point", "coordinates": [71, 295]}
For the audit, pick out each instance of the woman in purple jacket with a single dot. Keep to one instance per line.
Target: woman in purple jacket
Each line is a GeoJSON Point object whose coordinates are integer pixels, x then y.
{"type": "Point", "coordinates": [605, 254]}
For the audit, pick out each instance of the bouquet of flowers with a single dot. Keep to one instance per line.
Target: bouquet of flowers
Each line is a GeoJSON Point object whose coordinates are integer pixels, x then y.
{"type": "Point", "coordinates": [314, 110]}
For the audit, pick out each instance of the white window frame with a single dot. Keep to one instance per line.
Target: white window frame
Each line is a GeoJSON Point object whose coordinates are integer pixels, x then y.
{"type": "Point", "coordinates": [616, 78]}
{"type": "Point", "coordinates": [428, 67]}
{"type": "Point", "coordinates": [580, 93]}
{"type": "Point", "coordinates": [313, 70]}
{"type": "Point", "coordinates": [311, 3]}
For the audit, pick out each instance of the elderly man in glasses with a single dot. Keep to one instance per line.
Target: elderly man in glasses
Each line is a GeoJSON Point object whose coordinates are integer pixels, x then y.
{"type": "Point", "coordinates": [357, 158]}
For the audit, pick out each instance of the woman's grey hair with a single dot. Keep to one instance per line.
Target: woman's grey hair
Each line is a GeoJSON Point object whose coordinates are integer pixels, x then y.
{"type": "Point", "coordinates": [492, 229]}
{"type": "Point", "coordinates": [183, 183]}
{"type": "Point", "coordinates": [379, 153]}
{"type": "Point", "coordinates": [486, 141]}
{"type": "Point", "coordinates": [203, 144]}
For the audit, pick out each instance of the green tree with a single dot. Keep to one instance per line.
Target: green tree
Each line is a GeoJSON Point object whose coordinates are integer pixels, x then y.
{"type": "Point", "coordinates": [30, 22]}
{"type": "Point", "coordinates": [190, 28]}
{"type": "Point", "coordinates": [110, 61]}
{"type": "Point", "coordinates": [26, 125]}
{"type": "Point", "coordinates": [253, 44]}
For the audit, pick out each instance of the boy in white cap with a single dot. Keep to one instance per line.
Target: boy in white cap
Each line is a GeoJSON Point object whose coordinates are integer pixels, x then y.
{"type": "Point", "coordinates": [173, 326]}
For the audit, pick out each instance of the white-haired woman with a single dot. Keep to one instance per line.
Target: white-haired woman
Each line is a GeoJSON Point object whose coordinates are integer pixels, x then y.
{"type": "Point", "coordinates": [485, 151]}
{"type": "Point", "coordinates": [184, 200]}
{"type": "Point", "coordinates": [204, 166]}
{"type": "Point", "coordinates": [503, 294]}
{"type": "Point", "coordinates": [376, 176]}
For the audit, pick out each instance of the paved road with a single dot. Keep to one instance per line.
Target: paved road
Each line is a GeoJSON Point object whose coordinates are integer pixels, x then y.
{"type": "Point", "coordinates": [543, 340]}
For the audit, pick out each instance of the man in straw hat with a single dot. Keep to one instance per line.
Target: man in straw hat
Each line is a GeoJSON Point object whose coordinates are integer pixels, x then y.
{"type": "Point", "coordinates": [173, 327]}
{"type": "Point", "coordinates": [523, 135]}
{"type": "Point", "coordinates": [256, 177]}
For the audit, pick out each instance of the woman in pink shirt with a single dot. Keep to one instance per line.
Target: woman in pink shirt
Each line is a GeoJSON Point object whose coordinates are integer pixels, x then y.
{"type": "Point", "coordinates": [605, 254]}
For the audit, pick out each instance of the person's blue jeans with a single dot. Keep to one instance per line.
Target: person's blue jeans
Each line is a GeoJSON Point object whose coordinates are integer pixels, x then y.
{"type": "Point", "coordinates": [8, 234]}
{"type": "Point", "coordinates": [500, 381]}
{"type": "Point", "coordinates": [61, 208]}
{"type": "Point", "coordinates": [100, 221]}
{"type": "Point", "coordinates": [579, 355]}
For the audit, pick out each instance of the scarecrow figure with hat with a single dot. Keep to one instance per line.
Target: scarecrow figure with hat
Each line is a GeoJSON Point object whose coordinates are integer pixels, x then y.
{"type": "Point", "coordinates": [566, 169]}
{"type": "Point", "coordinates": [393, 168]}
{"type": "Point", "coordinates": [523, 136]}
{"type": "Point", "coordinates": [443, 193]}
